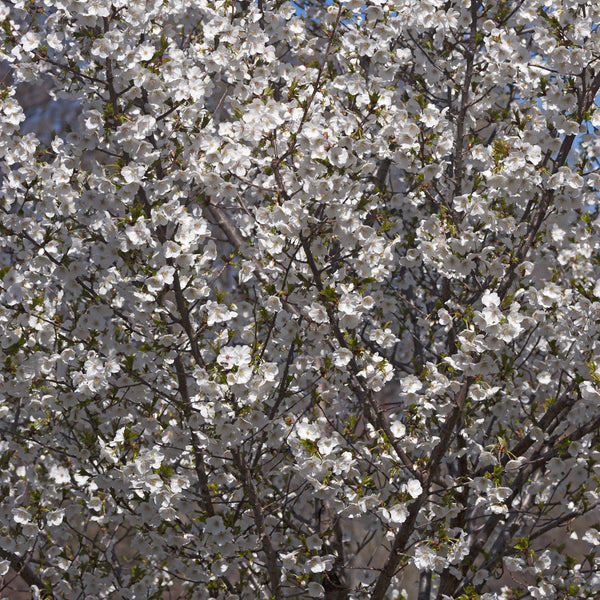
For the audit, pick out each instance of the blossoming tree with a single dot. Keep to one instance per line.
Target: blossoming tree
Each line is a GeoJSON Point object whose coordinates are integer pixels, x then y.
{"type": "Point", "coordinates": [307, 302]}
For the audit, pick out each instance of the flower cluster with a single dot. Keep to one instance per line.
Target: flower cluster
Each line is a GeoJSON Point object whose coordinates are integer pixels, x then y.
{"type": "Point", "coordinates": [303, 299]}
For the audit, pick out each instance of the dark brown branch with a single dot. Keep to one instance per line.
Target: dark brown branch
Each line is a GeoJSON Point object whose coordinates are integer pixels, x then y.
{"type": "Point", "coordinates": [424, 586]}
{"type": "Point", "coordinates": [402, 537]}
{"type": "Point", "coordinates": [259, 520]}
{"type": "Point", "coordinates": [24, 570]}
{"type": "Point", "coordinates": [218, 216]}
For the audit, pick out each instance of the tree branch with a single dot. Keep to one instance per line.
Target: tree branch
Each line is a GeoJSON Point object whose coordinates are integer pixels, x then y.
{"type": "Point", "coordinates": [27, 574]}
{"type": "Point", "coordinates": [259, 520]}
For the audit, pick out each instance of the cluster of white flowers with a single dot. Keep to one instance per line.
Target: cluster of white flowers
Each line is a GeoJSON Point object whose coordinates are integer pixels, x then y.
{"type": "Point", "coordinates": [307, 295]}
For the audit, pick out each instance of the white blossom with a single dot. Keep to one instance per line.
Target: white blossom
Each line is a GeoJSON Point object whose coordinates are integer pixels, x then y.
{"type": "Point", "coordinates": [296, 295]}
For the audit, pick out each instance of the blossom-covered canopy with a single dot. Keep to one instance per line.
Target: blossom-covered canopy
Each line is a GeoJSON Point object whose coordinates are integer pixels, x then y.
{"type": "Point", "coordinates": [304, 301]}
